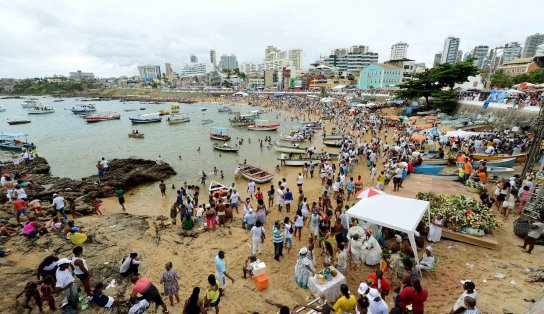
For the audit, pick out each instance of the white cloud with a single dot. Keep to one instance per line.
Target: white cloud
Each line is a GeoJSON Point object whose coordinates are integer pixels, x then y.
{"type": "Point", "coordinates": [110, 38]}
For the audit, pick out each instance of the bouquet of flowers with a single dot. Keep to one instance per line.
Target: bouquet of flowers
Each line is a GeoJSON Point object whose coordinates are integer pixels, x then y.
{"type": "Point", "coordinates": [475, 185]}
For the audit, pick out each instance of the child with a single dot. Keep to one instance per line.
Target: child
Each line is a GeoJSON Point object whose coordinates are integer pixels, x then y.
{"type": "Point", "coordinates": [47, 293]}
{"type": "Point", "coordinates": [524, 197]}
{"type": "Point", "coordinates": [31, 291]}
{"type": "Point", "coordinates": [251, 261]}
{"type": "Point", "coordinates": [95, 203]}
{"type": "Point", "coordinates": [470, 306]}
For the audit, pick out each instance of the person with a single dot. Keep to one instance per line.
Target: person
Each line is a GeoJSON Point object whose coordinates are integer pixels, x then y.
{"type": "Point", "coordinates": [278, 240]}
{"type": "Point", "coordinates": [81, 270]}
{"type": "Point", "coordinates": [66, 282]}
{"type": "Point", "coordinates": [95, 206]}
{"type": "Point", "coordinates": [250, 218]}
{"type": "Point", "coordinates": [47, 268]}
{"type": "Point", "coordinates": [377, 305]}
{"type": "Point", "coordinates": [251, 188]}
{"type": "Point", "coordinates": [378, 281]}
{"type": "Point", "coordinates": [105, 164]}
{"type": "Point", "coordinates": [187, 222]}
{"type": "Point", "coordinates": [469, 291]}
{"type": "Point", "coordinates": [138, 306]}
{"type": "Point", "coordinates": [31, 292]}
{"type": "Point", "coordinates": [509, 204]}
{"type": "Point", "coordinates": [341, 262]}
{"type": "Point", "coordinates": [221, 272]}
{"type": "Point", "coordinates": [194, 305]}
{"type": "Point", "coordinates": [78, 237]}
{"type": "Point", "coordinates": [271, 196]}
{"type": "Point", "coordinates": [46, 289]}
{"type": "Point", "coordinates": [19, 206]}
{"type": "Point", "coordinates": [467, 169]}
{"type": "Point", "coordinates": [100, 300]}
{"type": "Point", "coordinates": [147, 289]}
{"type": "Point", "coordinates": [536, 230]}
{"type": "Point", "coordinates": [162, 187]}
{"type": "Point", "coordinates": [170, 281]}
{"type": "Point", "coordinates": [288, 199]}
{"type": "Point", "coordinates": [470, 306]}
{"type": "Point", "coordinates": [210, 218]}
{"type": "Point", "coordinates": [121, 198]}
{"type": "Point", "coordinates": [249, 264]}
{"type": "Point", "coordinates": [415, 295]}
{"type": "Point", "coordinates": [304, 268]}
{"type": "Point", "coordinates": [213, 294]}
{"type": "Point", "coordinates": [299, 223]}
{"type": "Point", "coordinates": [346, 303]}
{"type": "Point", "coordinates": [33, 229]}
{"type": "Point", "coordinates": [130, 265]}
{"type": "Point", "coordinates": [287, 227]}
{"type": "Point", "coordinates": [427, 260]}
{"type": "Point", "coordinates": [373, 255]}
{"type": "Point", "coordinates": [58, 204]}
{"type": "Point", "coordinates": [435, 228]}
{"type": "Point", "coordinates": [258, 237]}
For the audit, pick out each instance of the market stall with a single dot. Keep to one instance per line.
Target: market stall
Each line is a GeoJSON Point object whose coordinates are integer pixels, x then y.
{"type": "Point", "coordinates": [394, 212]}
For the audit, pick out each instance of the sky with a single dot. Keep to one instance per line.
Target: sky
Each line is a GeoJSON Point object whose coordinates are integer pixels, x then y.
{"type": "Point", "coordinates": [110, 38]}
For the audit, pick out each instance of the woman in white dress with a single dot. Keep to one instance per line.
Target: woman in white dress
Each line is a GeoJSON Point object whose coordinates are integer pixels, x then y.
{"type": "Point", "coordinates": [356, 249]}
{"type": "Point", "coordinates": [304, 268]}
{"type": "Point", "coordinates": [373, 250]}
{"type": "Point", "coordinates": [435, 228]}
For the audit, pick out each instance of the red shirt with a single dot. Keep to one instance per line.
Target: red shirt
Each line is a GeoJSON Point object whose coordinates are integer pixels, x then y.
{"type": "Point", "coordinates": [259, 195]}
{"type": "Point", "coordinates": [409, 295]}
{"type": "Point", "coordinates": [141, 286]}
{"type": "Point", "coordinates": [383, 283]}
{"type": "Point", "coordinates": [19, 204]}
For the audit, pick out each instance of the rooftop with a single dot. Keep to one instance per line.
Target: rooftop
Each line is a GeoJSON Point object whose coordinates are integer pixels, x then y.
{"type": "Point", "coordinates": [519, 61]}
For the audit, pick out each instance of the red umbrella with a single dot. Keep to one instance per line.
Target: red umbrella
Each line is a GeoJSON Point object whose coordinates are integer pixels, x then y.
{"type": "Point", "coordinates": [369, 192]}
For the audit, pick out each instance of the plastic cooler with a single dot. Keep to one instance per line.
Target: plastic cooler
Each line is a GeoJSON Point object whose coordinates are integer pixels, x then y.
{"type": "Point", "coordinates": [261, 282]}
{"type": "Point", "coordinates": [259, 269]}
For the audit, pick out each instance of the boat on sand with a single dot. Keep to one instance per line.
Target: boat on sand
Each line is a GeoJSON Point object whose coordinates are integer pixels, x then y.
{"type": "Point", "coordinates": [258, 175]}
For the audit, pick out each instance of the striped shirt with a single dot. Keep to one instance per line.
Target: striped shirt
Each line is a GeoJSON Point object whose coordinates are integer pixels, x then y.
{"type": "Point", "coordinates": [278, 235]}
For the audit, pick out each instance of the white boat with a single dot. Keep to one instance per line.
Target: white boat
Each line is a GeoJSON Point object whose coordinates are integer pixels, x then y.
{"type": "Point", "coordinates": [503, 172]}
{"type": "Point", "coordinates": [178, 118]}
{"type": "Point", "coordinates": [288, 138]}
{"type": "Point", "coordinates": [300, 161]}
{"type": "Point", "coordinates": [41, 110]}
{"type": "Point", "coordinates": [438, 161]}
{"type": "Point", "coordinates": [29, 103]}
{"type": "Point", "coordinates": [224, 109]}
{"type": "Point", "coordinates": [83, 109]}
{"type": "Point", "coordinates": [289, 149]}
{"type": "Point", "coordinates": [263, 125]}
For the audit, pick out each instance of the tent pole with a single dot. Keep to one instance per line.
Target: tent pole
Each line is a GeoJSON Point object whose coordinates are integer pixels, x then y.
{"type": "Point", "coordinates": [414, 249]}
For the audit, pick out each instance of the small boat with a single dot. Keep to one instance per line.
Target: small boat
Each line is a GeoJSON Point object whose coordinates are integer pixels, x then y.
{"type": "Point", "coordinates": [174, 108]}
{"type": "Point", "coordinates": [207, 121]}
{"type": "Point", "coordinates": [336, 143]}
{"type": "Point", "coordinates": [102, 116]}
{"type": "Point", "coordinates": [216, 187]}
{"type": "Point", "coordinates": [263, 125]}
{"type": "Point", "coordinates": [509, 163]}
{"type": "Point", "coordinates": [163, 112]}
{"type": "Point", "coordinates": [219, 133]}
{"type": "Point", "coordinates": [519, 157]}
{"type": "Point", "coordinates": [12, 141]}
{"type": "Point", "coordinates": [438, 161]}
{"type": "Point", "coordinates": [145, 120]}
{"type": "Point", "coordinates": [313, 125]}
{"type": "Point", "coordinates": [226, 148]}
{"type": "Point", "coordinates": [289, 149]}
{"type": "Point", "coordinates": [129, 110]}
{"type": "Point", "coordinates": [500, 171]}
{"type": "Point", "coordinates": [224, 109]}
{"type": "Point", "coordinates": [300, 161]}
{"type": "Point", "coordinates": [288, 138]}
{"type": "Point", "coordinates": [178, 118]}
{"type": "Point", "coordinates": [15, 121]}
{"type": "Point", "coordinates": [83, 109]}
{"type": "Point", "coordinates": [135, 134]}
{"type": "Point", "coordinates": [204, 109]}
{"type": "Point", "coordinates": [58, 100]}
{"type": "Point", "coordinates": [333, 137]}
{"type": "Point", "coordinates": [240, 120]}
{"type": "Point", "coordinates": [256, 174]}
{"type": "Point", "coordinates": [428, 169]}
{"type": "Point", "coordinates": [29, 103]}
{"type": "Point", "coordinates": [41, 110]}
{"type": "Point", "coordinates": [142, 108]}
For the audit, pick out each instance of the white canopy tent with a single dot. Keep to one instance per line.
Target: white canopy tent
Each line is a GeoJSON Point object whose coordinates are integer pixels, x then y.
{"type": "Point", "coordinates": [394, 212]}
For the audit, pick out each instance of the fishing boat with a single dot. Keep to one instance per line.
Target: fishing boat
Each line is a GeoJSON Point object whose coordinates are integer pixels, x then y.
{"type": "Point", "coordinates": [29, 103]}
{"type": "Point", "coordinates": [41, 110]}
{"type": "Point", "coordinates": [224, 109]}
{"type": "Point", "coordinates": [288, 138]}
{"type": "Point", "coordinates": [226, 148]}
{"type": "Point", "coordinates": [509, 163]}
{"type": "Point", "coordinates": [207, 121]}
{"type": "Point", "coordinates": [145, 120]}
{"type": "Point", "coordinates": [333, 137]}
{"type": "Point", "coordinates": [518, 157]}
{"type": "Point", "coordinates": [178, 118]}
{"type": "Point", "coordinates": [12, 141]}
{"type": "Point", "coordinates": [216, 187]}
{"type": "Point", "coordinates": [289, 149]}
{"type": "Point", "coordinates": [15, 121]}
{"type": "Point", "coordinates": [102, 116]}
{"type": "Point", "coordinates": [438, 161]}
{"type": "Point", "coordinates": [256, 174]}
{"type": "Point", "coordinates": [83, 109]}
{"type": "Point", "coordinates": [135, 134]}
{"type": "Point", "coordinates": [336, 143]}
{"type": "Point", "coordinates": [174, 108]}
{"type": "Point", "coordinates": [219, 133]}
{"type": "Point", "coordinates": [130, 109]}
{"type": "Point", "coordinates": [263, 125]}
{"type": "Point", "coordinates": [313, 125]}
{"type": "Point", "coordinates": [300, 161]}
{"type": "Point", "coordinates": [240, 120]}
{"type": "Point", "coordinates": [428, 169]}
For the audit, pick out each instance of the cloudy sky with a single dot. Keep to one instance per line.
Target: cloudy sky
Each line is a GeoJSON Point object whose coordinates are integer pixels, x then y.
{"type": "Point", "coordinates": [110, 38]}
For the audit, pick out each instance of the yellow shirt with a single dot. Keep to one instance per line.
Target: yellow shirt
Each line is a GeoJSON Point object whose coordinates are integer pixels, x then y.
{"type": "Point", "coordinates": [212, 295]}
{"type": "Point", "coordinates": [381, 179]}
{"type": "Point", "coordinates": [345, 305]}
{"type": "Point", "coordinates": [78, 238]}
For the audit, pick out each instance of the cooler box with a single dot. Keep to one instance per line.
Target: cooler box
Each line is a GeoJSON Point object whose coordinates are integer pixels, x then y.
{"type": "Point", "coordinates": [261, 282]}
{"type": "Point", "coordinates": [259, 269]}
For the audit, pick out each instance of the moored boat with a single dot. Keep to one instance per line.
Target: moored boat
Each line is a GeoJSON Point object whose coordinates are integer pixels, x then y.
{"type": "Point", "coordinates": [135, 134]}
{"type": "Point", "coordinates": [256, 174]}
{"type": "Point", "coordinates": [226, 148]}
{"type": "Point", "coordinates": [519, 157]}
{"type": "Point", "coordinates": [145, 120]}
{"type": "Point", "coordinates": [300, 161]}
{"type": "Point", "coordinates": [428, 169]}
{"type": "Point", "coordinates": [174, 108]}
{"type": "Point", "coordinates": [207, 121]}
{"type": "Point", "coordinates": [41, 110]}
{"type": "Point", "coordinates": [438, 161]}
{"type": "Point", "coordinates": [219, 133]}
{"type": "Point", "coordinates": [102, 116]}
{"type": "Point", "coordinates": [224, 109]}
{"type": "Point", "coordinates": [15, 121]}
{"type": "Point", "coordinates": [263, 125]}
{"type": "Point", "coordinates": [288, 138]}
{"type": "Point", "coordinates": [500, 171]}
{"type": "Point", "coordinates": [331, 143]}
{"type": "Point", "coordinates": [333, 137]}
{"type": "Point", "coordinates": [178, 118]}
{"type": "Point", "coordinates": [289, 149]}
{"type": "Point", "coordinates": [29, 103]}
{"type": "Point", "coordinates": [509, 163]}
{"type": "Point", "coordinates": [83, 109]}
{"type": "Point", "coordinates": [12, 141]}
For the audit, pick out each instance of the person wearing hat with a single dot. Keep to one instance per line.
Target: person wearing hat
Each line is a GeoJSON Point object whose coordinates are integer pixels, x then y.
{"type": "Point", "coordinates": [469, 291]}
{"type": "Point", "coordinates": [78, 237]}
{"type": "Point", "coordinates": [66, 282]}
{"type": "Point", "coordinates": [377, 305]}
{"type": "Point", "coordinates": [221, 272]}
{"type": "Point", "coordinates": [304, 268]}
{"type": "Point", "coordinates": [250, 218]}
{"type": "Point", "coordinates": [58, 204]}
{"type": "Point", "coordinates": [427, 260]}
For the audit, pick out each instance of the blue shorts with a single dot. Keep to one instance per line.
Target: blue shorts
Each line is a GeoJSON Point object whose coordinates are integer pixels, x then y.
{"type": "Point", "coordinates": [23, 211]}
{"type": "Point", "coordinates": [235, 205]}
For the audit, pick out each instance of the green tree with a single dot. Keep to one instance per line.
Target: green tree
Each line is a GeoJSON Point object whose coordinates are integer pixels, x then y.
{"type": "Point", "coordinates": [524, 77]}
{"type": "Point", "coordinates": [351, 77]}
{"type": "Point", "coordinates": [422, 84]}
{"type": "Point", "coordinates": [500, 79]}
{"type": "Point", "coordinates": [450, 74]}
{"type": "Point", "coordinates": [536, 77]}
{"type": "Point", "coordinates": [445, 100]}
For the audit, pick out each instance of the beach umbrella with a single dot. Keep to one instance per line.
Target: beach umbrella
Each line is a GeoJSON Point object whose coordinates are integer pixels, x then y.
{"type": "Point", "coordinates": [369, 192]}
{"type": "Point", "coordinates": [394, 118]}
{"type": "Point", "coordinates": [414, 118]}
{"type": "Point", "coordinates": [419, 137]}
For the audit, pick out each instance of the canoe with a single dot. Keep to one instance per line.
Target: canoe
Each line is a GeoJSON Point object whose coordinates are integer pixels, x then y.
{"type": "Point", "coordinates": [289, 139]}
{"type": "Point", "coordinates": [519, 157]}
{"type": "Point", "coordinates": [435, 161]}
{"type": "Point", "coordinates": [289, 149]}
{"type": "Point", "coordinates": [428, 169]}
{"type": "Point", "coordinates": [145, 121]}
{"type": "Point", "coordinates": [332, 143]}
{"type": "Point", "coordinates": [136, 135]}
{"type": "Point", "coordinates": [216, 187]}
{"type": "Point", "coordinates": [256, 174]}
{"type": "Point", "coordinates": [265, 127]}
{"type": "Point", "coordinates": [300, 162]}
{"type": "Point", "coordinates": [509, 163]}
{"type": "Point", "coordinates": [226, 148]}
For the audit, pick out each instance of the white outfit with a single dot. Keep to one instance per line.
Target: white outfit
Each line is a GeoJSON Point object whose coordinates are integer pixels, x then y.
{"type": "Point", "coordinates": [257, 241]}
{"type": "Point", "coordinates": [373, 251]}
{"type": "Point", "coordinates": [510, 202]}
{"type": "Point", "coordinates": [357, 251]}
{"type": "Point", "coordinates": [435, 232]}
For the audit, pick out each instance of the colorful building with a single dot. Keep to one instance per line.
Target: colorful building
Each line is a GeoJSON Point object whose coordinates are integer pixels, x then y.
{"type": "Point", "coordinates": [379, 75]}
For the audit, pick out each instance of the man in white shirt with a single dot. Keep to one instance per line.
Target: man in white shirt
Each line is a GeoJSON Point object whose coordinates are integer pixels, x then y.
{"type": "Point", "coordinates": [58, 204]}
{"type": "Point", "coordinates": [377, 305]}
{"type": "Point", "coordinates": [470, 291]}
{"type": "Point", "coordinates": [66, 282]}
{"type": "Point", "coordinates": [490, 150]}
{"type": "Point", "coordinates": [105, 164]}
{"type": "Point", "coordinates": [235, 198]}
{"type": "Point", "coordinates": [282, 159]}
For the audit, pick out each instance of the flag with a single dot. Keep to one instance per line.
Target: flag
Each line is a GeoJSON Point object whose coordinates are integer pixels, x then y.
{"type": "Point", "coordinates": [487, 102]}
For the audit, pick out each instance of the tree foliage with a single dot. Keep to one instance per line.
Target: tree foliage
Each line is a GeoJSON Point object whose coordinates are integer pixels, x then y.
{"type": "Point", "coordinates": [45, 86]}
{"type": "Point", "coordinates": [500, 79]}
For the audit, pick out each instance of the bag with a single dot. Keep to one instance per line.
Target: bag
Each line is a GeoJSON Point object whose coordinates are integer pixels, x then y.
{"type": "Point", "coordinates": [291, 230]}
{"type": "Point", "coordinates": [262, 235]}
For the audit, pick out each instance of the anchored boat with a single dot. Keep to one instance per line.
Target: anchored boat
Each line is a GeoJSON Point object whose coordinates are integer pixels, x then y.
{"type": "Point", "coordinates": [103, 116]}
{"type": "Point", "coordinates": [178, 118]}
{"type": "Point", "coordinates": [12, 141]}
{"type": "Point", "coordinates": [263, 125]}
{"type": "Point", "coordinates": [219, 133]}
{"type": "Point", "coordinates": [256, 174]}
{"type": "Point", "coordinates": [289, 149]}
{"type": "Point", "coordinates": [226, 148]}
{"type": "Point", "coordinates": [41, 110]}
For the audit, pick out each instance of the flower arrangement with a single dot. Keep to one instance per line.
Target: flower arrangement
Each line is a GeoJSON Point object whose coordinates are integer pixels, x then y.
{"type": "Point", "coordinates": [460, 211]}
{"type": "Point", "coordinates": [475, 185]}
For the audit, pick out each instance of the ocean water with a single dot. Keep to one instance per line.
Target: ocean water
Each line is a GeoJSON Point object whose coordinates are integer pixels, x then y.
{"type": "Point", "coordinates": [73, 147]}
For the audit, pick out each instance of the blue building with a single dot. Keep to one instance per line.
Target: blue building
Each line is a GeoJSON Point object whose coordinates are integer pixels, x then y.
{"type": "Point", "coordinates": [379, 75]}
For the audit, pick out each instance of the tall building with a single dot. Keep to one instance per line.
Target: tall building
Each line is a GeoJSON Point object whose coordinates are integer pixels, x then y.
{"type": "Point", "coordinates": [268, 78]}
{"type": "Point", "coordinates": [194, 59]}
{"type": "Point", "coordinates": [213, 58]}
{"type": "Point", "coordinates": [479, 53]}
{"type": "Point", "coordinates": [228, 62]}
{"type": "Point", "coordinates": [194, 69]}
{"type": "Point", "coordinates": [539, 51]}
{"type": "Point", "coordinates": [291, 57]}
{"type": "Point", "coordinates": [459, 56]}
{"type": "Point", "coordinates": [356, 58]}
{"type": "Point", "coordinates": [149, 72]}
{"type": "Point", "coordinates": [449, 52]}
{"type": "Point", "coordinates": [510, 52]}
{"type": "Point", "coordinates": [467, 56]}
{"type": "Point", "coordinates": [78, 75]}
{"type": "Point", "coordinates": [437, 59]}
{"type": "Point", "coordinates": [168, 70]}
{"type": "Point", "coordinates": [295, 57]}
{"type": "Point", "coordinates": [399, 51]}
{"type": "Point", "coordinates": [531, 42]}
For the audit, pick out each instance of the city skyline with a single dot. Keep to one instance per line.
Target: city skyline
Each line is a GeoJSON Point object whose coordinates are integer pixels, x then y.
{"type": "Point", "coordinates": [113, 38]}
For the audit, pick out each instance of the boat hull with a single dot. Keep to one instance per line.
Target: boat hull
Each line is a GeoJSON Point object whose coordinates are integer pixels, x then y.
{"type": "Point", "coordinates": [428, 169]}
{"type": "Point", "coordinates": [509, 163]}
{"type": "Point", "coordinates": [435, 161]}
{"type": "Point", "coordinates": [255, 174]}
{"type": "Point", "coordinates": [136, 135]}
{"type": "Point", "coordinates": [331, 144]}
{"type": "Point", "coordinates": [519, 157]}
{"type": "Point", "coordinates": [272, 127]}
{"type": "Point", "coordinates": [287, 149]}
{"type": "Point", "coordinates": [226, 149]}
{"type": "Point", "coordinates": [19, 122]}
{"type": "Point", "coordinates": [145, 121]}
{"type": "Point", "coordinates": [299, 162]}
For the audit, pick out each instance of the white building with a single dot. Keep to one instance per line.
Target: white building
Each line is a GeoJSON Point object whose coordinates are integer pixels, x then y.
{"type": "Point", "coordinates": [531, 44]}
{"type": "Point", "coordinates": [291, 56]}
{"type": "Point", "coordinates": [228, 62]}
{"type": "Point", "coordinates": [195, 69]}
{"type": "Point", "coordinates": [213, 58]}
{"type": "Point", "coordinates": [149, 72]}
{"type": "Point", "coordinates": [539, 52]}
{"type": "Point", "coordinates": [399, 51]}
{"type": "Point", "coordinates": [479, 53]}
{"type": "Point", "coordinates": [510, 52]}
{"type": "Point", "coordinates": [449, 52]}
{"type": "Point", "coordinates": [78, 75]}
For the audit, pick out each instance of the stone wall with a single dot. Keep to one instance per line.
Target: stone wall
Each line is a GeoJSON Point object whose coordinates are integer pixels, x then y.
{"type": "Point", "coordinates": [503, 116]}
